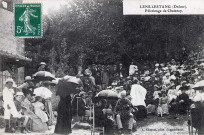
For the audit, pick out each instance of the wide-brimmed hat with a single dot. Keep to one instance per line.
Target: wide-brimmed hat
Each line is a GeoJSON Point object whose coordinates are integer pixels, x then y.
{"type": "Point", "coordinates": [156, 65]}
{"type": "Point", "coordinates": [147, 78]}
{"type": "Point", "coordinates": [19, 94]}
{"type": "Point", "coordinates": [28, 78]}
{"type": "Point", "coordinates": [9, 80]}
{"type": "Point", "coordinates": [43, 63]}
{"type": "Point", "coordinates": [167, 74]}
{"type": "Point", "coordinates": [162, 64]}
{"type": "Point", "coordinates": [82, 93]}
{"type": "Point", "coordinates": [123, 93]}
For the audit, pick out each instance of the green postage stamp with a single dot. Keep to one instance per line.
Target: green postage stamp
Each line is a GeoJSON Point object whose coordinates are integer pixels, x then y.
{"type": "Point", "coordinates": [28, 20]}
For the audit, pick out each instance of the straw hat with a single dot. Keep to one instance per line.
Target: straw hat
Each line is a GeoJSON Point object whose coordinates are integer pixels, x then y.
{"type": "Point", "coordinates": [123, 93]}
{"type": "Point", "coordinates": [19, 94]}
{"type": "Point", "coordinates": [156, 65]}
{"type": "Point", "coordinates": [82, 93]}
{"type": "Point", "coordinates": [9, 80]}
{"type": "Point", "coordinates": [42, 63]}
{"type": "Point", "coordinates": [28, 78]}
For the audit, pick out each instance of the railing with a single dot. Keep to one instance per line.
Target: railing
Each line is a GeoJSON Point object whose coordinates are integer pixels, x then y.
{"type": "Point", "coordinates": [3, 76]}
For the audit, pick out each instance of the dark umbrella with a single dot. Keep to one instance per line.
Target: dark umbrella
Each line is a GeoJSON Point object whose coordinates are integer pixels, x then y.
{"type": "Point", "coordinates": [67, 85]}
{"type": "Point", "coordinates": [107, 94]}
{"type": "Point", "coordinates": [186, 74]}
{"type": "Point", "coordinates": [54, 82]}
{"type": "Point", "coordinates": [185, 87]}
{"type": "Point", "coordinates": [43, 76]}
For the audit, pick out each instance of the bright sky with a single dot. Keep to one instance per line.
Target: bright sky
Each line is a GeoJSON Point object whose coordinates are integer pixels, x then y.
{"type": "Point", "coordinates": [48, 4]}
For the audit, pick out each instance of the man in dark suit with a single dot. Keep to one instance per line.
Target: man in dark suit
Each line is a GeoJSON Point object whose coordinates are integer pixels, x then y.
{"type": "Point", "coordinates": [197, 117]}
{"type": "Point", "coordinates": [183, 100]}
{"type": "Point", "coordinates": [121, 71]}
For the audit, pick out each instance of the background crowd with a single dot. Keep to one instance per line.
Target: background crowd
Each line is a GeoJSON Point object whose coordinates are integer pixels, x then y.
{"type": "Point", "coordinates": [165, 89]}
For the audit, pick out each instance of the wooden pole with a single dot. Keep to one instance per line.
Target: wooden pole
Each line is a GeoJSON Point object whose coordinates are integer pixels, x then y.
{"type": "Point", "coordinates": [77, 108]}
{"type": "Point", "coordinates": [93, 119]}
{"type": "Point", "coordinates": [189, 129]}
{"type": "Point", "coordinates": [191, 123]}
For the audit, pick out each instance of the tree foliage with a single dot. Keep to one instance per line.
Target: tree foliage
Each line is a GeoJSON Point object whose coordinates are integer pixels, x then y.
{"type": "Point", "coordinates": [96, 31]}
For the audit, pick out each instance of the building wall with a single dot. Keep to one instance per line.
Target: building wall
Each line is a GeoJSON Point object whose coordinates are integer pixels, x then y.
{"type": "Point", "coordinates": [10, 44]}
{"type": "Point", "coordinates": [7, 40]}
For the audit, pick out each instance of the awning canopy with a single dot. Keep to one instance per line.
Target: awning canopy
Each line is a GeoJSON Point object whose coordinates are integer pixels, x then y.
{"type": "Point", "coordinates": [14, 59]}
{"type": "Point", "coordinates": [17, 57]}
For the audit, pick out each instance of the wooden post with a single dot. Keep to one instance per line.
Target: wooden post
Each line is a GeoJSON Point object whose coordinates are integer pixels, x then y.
{"type": "Point", "coordinates": [191, 123]}
{"type": "Point", "coordinates": [77, 108]}
{"type": "Point", "coordinates": [93, 119]}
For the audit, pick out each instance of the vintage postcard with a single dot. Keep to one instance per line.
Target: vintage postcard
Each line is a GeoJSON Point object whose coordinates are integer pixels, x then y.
{"type": "Point", "coordinates": [102, 67]}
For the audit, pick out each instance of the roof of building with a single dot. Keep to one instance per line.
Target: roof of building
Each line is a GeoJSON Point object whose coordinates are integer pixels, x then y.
{"type": "Point", "coordinates": [17, 57]}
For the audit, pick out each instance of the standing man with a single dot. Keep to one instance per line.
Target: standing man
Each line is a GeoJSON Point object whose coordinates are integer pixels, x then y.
{"type": "Point", "coordinates": [9, 106]}
{"type": "Point", "coordinates": [138, 96]}
{"type": "Point", "coordinates": [133, 69]}
{"type": "Point", "coordinates": [27, 86]}
{"type": "Point", "coordinates": [93, 70]}
{"type": "Point", "coordinates": [105, 77]}
{"type": "Point", "coordinates": [121, 71]}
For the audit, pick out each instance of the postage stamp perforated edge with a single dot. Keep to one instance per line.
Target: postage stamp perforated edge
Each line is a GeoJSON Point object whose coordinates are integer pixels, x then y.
{"type": "Point", "coordinates": [41, 21]}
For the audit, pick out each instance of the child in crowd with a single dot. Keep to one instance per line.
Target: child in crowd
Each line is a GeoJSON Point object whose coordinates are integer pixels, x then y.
{"type": "Point", "coordinates": [10, 111]}
{"type": "Point", "coordinates": [163, 105]}
{"type": "Point", "coordinates": [23, 119]}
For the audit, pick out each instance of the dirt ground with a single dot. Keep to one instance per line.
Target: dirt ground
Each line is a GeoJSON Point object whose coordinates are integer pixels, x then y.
{"type": "Point", "coordinates": [152, 125]}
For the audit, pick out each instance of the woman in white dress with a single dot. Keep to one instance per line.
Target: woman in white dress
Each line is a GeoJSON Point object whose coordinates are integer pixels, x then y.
{"type": "Point", "coordinates": [38, 108]}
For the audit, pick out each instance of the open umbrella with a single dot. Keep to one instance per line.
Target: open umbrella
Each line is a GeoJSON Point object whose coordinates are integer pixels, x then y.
{"type": "Point", "coordinates": [202, 64]}
{"type": "Point", "coordinates": [43, 76]}
{"type": "Point", "coordinates": [199, 85]}
{"type": "Point", "coordinates": [107, 94]}
{"type": "Point", "coordinates": [186, 73]}
{"type": "Point", "coordinates": [67, 85]}
{"type": "Point", "coordinates": [43, 92]}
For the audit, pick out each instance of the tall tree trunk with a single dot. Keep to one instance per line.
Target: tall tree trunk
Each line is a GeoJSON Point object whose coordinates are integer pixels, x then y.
{"type": "Point", "coordinates": [52, 62]}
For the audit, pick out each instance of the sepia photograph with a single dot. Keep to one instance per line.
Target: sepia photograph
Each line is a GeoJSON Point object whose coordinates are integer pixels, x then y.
{"type": "Point", "coordinates": [101, 67]}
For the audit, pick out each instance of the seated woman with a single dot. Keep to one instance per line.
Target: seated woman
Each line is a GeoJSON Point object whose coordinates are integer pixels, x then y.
{"type": "Point", "coordinates": [80, 105]}
{"type": "Point", "coordinates": [163, 105]}
{"type": "Point", "coordinates": [37, 124]}
{"type": "Point", "coordinates": [102, 117]}
{"type": "Point", "coordinates": [38, 109]}
{"type": "Point", "coordinates": [173, 107]}
{"type": "Point", "coordinates": [151, 107]}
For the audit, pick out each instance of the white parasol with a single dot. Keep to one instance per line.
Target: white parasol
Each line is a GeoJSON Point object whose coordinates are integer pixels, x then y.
{"type": "Point", "coordinates": [43, 92]}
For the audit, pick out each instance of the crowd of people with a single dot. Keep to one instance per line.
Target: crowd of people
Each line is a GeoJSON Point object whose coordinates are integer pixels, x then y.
{"type": "Point", "coordinates": [162, 90]}
{"type": "Point", "coordinates": [165, 90]}
{"type": "Point", "coordinates": [25, 111]}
